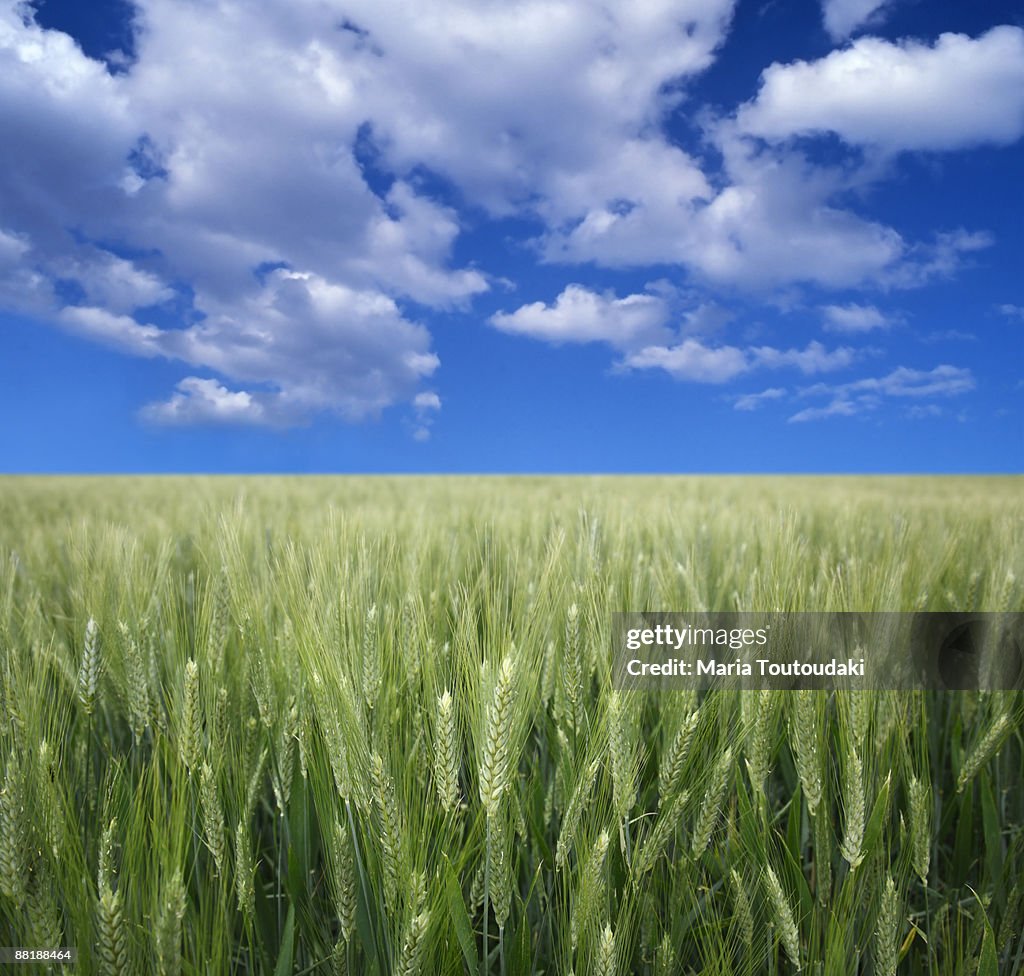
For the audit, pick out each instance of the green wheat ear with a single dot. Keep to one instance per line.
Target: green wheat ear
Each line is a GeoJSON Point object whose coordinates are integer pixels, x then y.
{"type": "Point", "coordinates": [782, 914]}
{"type": "Point", "coordinates": [190, 732]}
{"type": "Point", "coordinates": [213, 816]}
{"type": "Point", "coordinates": [151, 813]}
{"type": "Point", "coordinates": [89, 670]}
{"type": "Point", "coordinates": [168, 931]}
{"type": "Point", "coordinates": [112, 942]}
{"type": "Point", "coordinates": [920, 827]}
{"type": "Point", "coordinates": [606, 963]}
{"type": "Point", "coordinates": [805, 739]}
{"type": "Point", "coordinates": [887, 930]}
{"type": "Point", "coordinates": [853, 805]}
{"type": "Point", "coordinates": [14, 832]}
{"type": "Point", "coordinates": [496, 761]}
{"type": "Point", "coordinates": [985, 749]}
{"type": "Point", "coordinates": [711, 805]}
{"type": "Point", "coordinates": [446, 753]}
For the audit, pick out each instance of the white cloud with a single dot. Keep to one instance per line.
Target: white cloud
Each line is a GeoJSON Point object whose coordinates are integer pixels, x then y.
{"type": "Point", "coordinates": [425, 407]}
{"type": "Point", "coordinates": [843, 17]}
{"type": "Point", "coordinates": [839, 407]}
{"type": "Point", "coordinates": [12, 247]}
{"type": "Point", "coordinates": [220, 176]}
{"type": "Point", "coordinates": [815, 358]}
{"type": "Point", "coordinates": [117, 331]}
{"type": "Point", "coordinates": [695, 361]}
{"type": "Point", "coordinates": [948, 335]}
{"type": "Point", "coordinates": [637, 325]}
{"type": "Point", "coordinates": [314, 345]}
{"type": "Point", "coordinates": [943, 380]}
{"type": "Point", "coordinates": [1011, 311]}
{"type": "Point", "coordinates": [205, 401]}
{"type": "Point", "coordinates": [580, 315]}
{"type": "Point", "coordinates": [286, 200]}
{"type": "Point", "coordinates": [958, 92]}
{"type": "Point", "coordinates": [536, 101]}
{"type": "Point", "coordinates": [754, 401]}
{"type": "Point", "coordinates": [426, 401]}
{"type": "Point", "coordinates": [773, 223]}
{"type": "Point", "coordinates": [692, 360]}
{"type": "Point", "coordinates": [860, 396]}
{"type": "Point", "coordinates": [111, 282]}
{"type": "Point", "coordinates": [853, 318]}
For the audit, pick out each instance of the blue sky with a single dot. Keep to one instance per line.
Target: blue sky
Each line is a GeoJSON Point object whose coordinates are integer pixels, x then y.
{"type": "Point", "coordinates": [568, 235]}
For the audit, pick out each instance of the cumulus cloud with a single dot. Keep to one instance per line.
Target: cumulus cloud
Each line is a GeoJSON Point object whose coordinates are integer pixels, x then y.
{"type": "Point", "coordinates": [814, 358]}
{"type": "Point", "coordinates": [773, 222]}
{"type": "Point", "coordinates": [774, 218]}
{"type": "Point", "coordinates": [426, 401]}
{"type": "Point", "coordinates": [217, 184]}
{"type": "Point", "coordinates": [754, 401]}
{"type": "Point", "coordinates": [843, 17]}
{"type": "Point", "coordinates": [696, 361]}
{"type": "Point", "coordinates": [425, 406]}
{"type": "Point", "coordinates": [581, 315]}
{"type": "Point", "coordinates": [205, 401]}
{"type": "Point", "coordinates": [692, 360]}
{"type": "Point", "coordinates": [839, 407]}
{"type": "Point", "coordinates": [638, 326]}
{"type": "Point", "coordinates": [907, 95]}
{"type": "Point", "coordinates": [860, 396]}
{"type": "Point", "coordinates": [540, 101]}
{"type": "Point", "coordinates": [1011, 311]}
{"type": "Point", "coordinates": [316, 346]}
{"type": "Point", "coordinates": [280, 212]}
{"type": "Point", "coordinates": [853, 318]}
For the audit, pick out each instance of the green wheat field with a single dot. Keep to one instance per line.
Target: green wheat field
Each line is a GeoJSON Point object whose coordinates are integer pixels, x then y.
{"type": "Point", "coordinates": [366, 725]}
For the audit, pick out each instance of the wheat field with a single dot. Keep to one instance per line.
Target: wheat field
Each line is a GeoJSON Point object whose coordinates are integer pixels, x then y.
{"type": "Point", "coordinates": [366, 725]}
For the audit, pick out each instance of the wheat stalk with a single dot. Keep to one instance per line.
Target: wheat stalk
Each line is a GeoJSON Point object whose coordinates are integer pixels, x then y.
{"type": "Point", "coordinates": [344, 878]}
{"type": "Point", "coordinates": [411, 959]}
{"type": "Point", "coordinates": [244, 871]}
{"type": "Point", "coordinates": [139, 707]}
{"type": "Point", "coordinates": [741, 903]}
{"type": "Point", "coordinates": [887, 931]}
{"type": "Point", "coordinates": [190, 730]}
{"type": "Point", "coordinates": [985, 749]}
{"type": "Point", "coordinates": [785, 923]}
{"type": "Point", "coordinates": [168, 927]}
{"type": "Point", "coordinates": [496, 762]}
{"type": "Point", "coordinates": [90, 669]}
{"type": "Point", "coordinates": [390, 831]}
{"type": "Point", "coordinates": [711, 806]}
{"type": "Point", "coordinates": [112, 945]}
{"type": "Point", "coordinates": [622, 748]}
{"type": "Point", "coordinates": [213, 816]}
{"type": "Point", "coordinates": [572, 664]}
{"type": "Point", "coordinates": [853, 806]}
{"type": "Point", "coordinates": [14, 838]}
{"type": "Point", "coordinates": [605, 964]}
{"type": "Point", "coordinates": [920, 827]}
{"type": "Point", "coordinates": [589, 889]}
{"type": "Point", "coordinates": [499, 869]}
{"type": "Point", "coordinates": [673, 760]}
{"type": "Point", "coordinates": [446, 753]}
{"type": "Point", "coordinates": [657, 840]}
{"type": "Point", "coordinates": [578, 803]}
{"type": "Point", "coordinates": [371, 658]}
{"type": "Point", "coordinates": [106, 872]}
{"type": "Point", "coordinates": [805, 738]}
